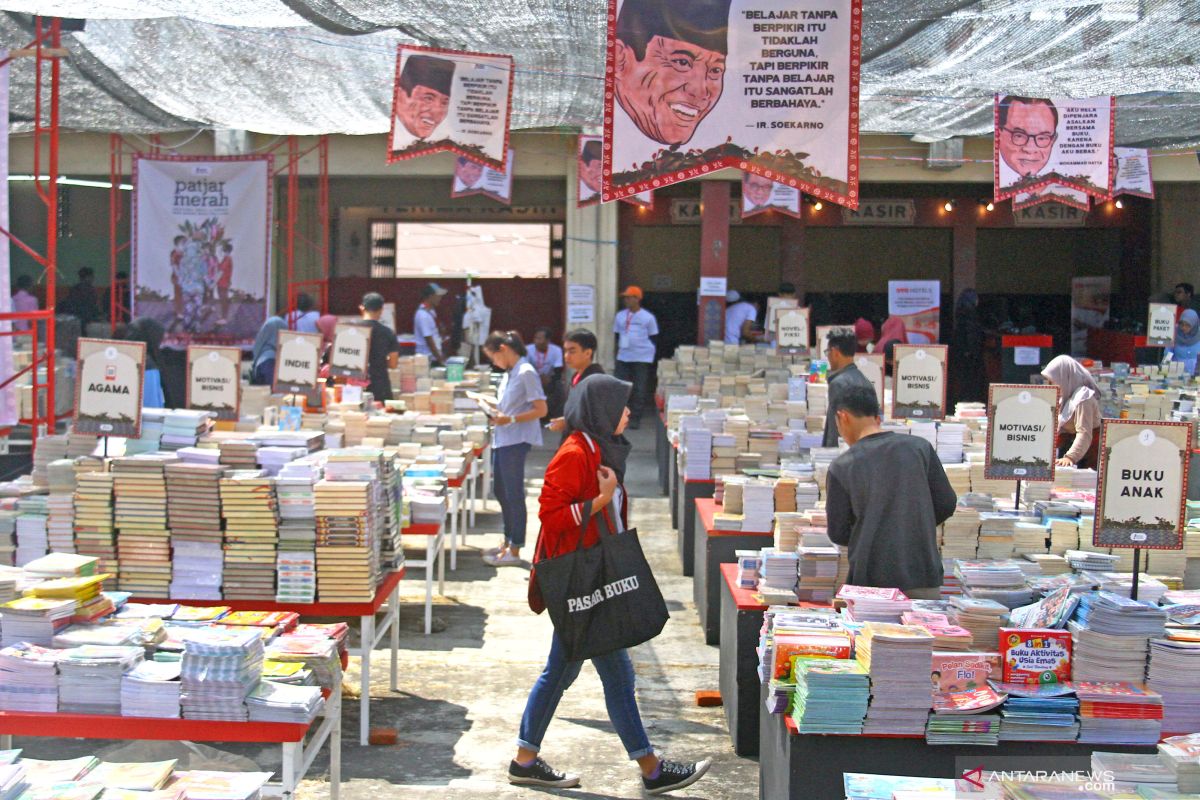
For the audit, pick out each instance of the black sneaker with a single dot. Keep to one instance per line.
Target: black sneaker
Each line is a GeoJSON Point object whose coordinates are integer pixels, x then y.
{"type": "Point", "coordinates": [539, 773]}
{"type": "Point", "coordinates": [674, 775]}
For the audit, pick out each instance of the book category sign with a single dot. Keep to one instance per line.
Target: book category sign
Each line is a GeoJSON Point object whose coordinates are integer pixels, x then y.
{"type": "Point", "coordinates": [1022, 432]}
{"type": "Point", "coordinates": [791, 328]}
{"type": "Point", "coordinates": [298, 364]}
{"type": "Point", "coordinates": [872, 366]}
{"type": "Point", "coordinates": [351, 347]}
{"type": "Point", "coordinates": [108, 394]}
{"type": "Point", "coordinates": [1142, 484]}
{"type": "Point", "coordinates": [919, 381]}
{"type": "Point", "coordinates": [214, 380]}
{"type": "Point", "coordinates": [1160, 324]}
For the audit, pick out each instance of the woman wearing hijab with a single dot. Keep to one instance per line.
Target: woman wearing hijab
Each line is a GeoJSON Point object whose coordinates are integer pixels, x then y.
{"type": "Point", "coordinates": [1078, 412]}
{"type": "Point", "coordinates": [589, 466]}
{"type": "Point", "coordinates": [262, 367]}
{"type": "Point", "coordinates": [892, 333]}
{"type": "Point", "coordinates": [1187, 340]}
{"type": "Point", "coordinates": [151, 332]}
{"type": "Point", "coordinates": [864, 332]}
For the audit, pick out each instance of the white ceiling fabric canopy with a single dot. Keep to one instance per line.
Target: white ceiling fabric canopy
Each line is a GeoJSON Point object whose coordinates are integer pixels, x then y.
{"type": "Point", "coordinates": [280, 67]}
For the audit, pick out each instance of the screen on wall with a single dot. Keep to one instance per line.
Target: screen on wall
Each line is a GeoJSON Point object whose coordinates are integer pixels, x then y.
{"type": "Point", "coordinates": [455, 250]}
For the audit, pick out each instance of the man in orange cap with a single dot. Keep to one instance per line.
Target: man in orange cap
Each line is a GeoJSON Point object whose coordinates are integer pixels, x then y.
{"type": "Point", "coordinates": [634, 326]}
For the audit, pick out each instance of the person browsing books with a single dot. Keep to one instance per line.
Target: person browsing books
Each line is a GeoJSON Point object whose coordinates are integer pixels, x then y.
{"type": "Point", "coordinates": [842, 375]}
{"type": "Point", "coordinates": [885, 498]}
{"type": "Point", "coordinates": [579, 352]}
{"type": "Point", "coordinates": [590, 466]}
{"type": "Point", "coordinates": [1078, 412]}
{"type": "Point", "coordinates": [384, 352]}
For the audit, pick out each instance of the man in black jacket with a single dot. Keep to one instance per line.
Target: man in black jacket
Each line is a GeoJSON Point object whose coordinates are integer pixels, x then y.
{"type": "Point", "coordinates": [843, 375]}
{"type": "Point", "coordinates": [579, 350]}
{"type": "Point", "coordinates": [885, 498]}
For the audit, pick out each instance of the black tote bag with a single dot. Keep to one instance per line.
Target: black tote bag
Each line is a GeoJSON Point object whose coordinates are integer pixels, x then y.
{"type": "Point", "coordinates": [602, 598]}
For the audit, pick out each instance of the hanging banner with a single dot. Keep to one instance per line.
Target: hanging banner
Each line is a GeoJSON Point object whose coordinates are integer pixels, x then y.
{"type": "Point", "coordinates": [764, 86]}
{"type": "Point", "coordinates": [590, 170]}
{"type": "Point", "coordinates": [471, 178]}
{"type": "Point", "coordinates": [1160, 324]}
{"type": "Point", "coordinates": [760, 193]}
{"type": "Point", "coordinates": [9, 412]}
{"type": "Point", "coordinates": [1135, 175]}
{"type": "Point", "coordinates": [1022, 433]}
{"type": "Point", "coordinates": [1053, 193]}
{"type": "Point", "coordinates": [641, 199]}
{"type": "Point", "coordinates": [108, 389]}
{"type": "Point", "coordinates": [1090, 300]}
{"type": "Point", "coordinates": [298, 364]}
{"type": "Point", "coordinates": [919, 381]}
{"type": "Point", "coordinates": [872, 366]}
{"type": "Point", "coordinates": [201, 246]}
{"type": "Point", "coordinates": [214, 380]}
{"type": "Point", "coordinates": [919, 306]}
{"type": "Point", "coordinates": [1142, 484]}
{"type": "Point", "coordinates": [790, 328]}
{"type": "Point", "coordinates": [451, 100]}
{"type": "Point", "coordinates": [1044, 140]}
{"type": "Point", "coordinates": [350, 350]}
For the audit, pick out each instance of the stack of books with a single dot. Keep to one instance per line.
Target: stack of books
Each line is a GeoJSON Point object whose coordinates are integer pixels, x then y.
{"type": "Point", "coordinates": [28, 678]}
{"type": "Point", "coordinates": [152, 689]}
{"type": "Point", "coordinates": [8, 532]}
{"type": "Point", "coordinates": [946, 635]}
{"type": "Point", "coordinates": [32, 537]}
{"type": "Point", "coordinates": [34, 620]}
{"type": "Point", "coordinates": [95, 534]}
{"type": "Point", "coordinates": [1148, 772]}
{"type": "Point", "coordinates": [85, 591]}
{"type": "Point", "coordinates": [898, 659]}
{"type": "Point", "coordinates": [960, 718]}
{"type": "Point", "coordinates": [1091, 561]}
{"type": "Point", "coordinates": [316, 651]}
{"type": "Point", "coordinates": [296, 561]}
{"type": "Point", "coordinates": [194, 512]}
{"type": "Point", "coordinates": [277, 702]}
{"type": "Point", "coordinates": [1112, 637]}
{"type": "Point", "coordinates": [143, 538]}
{"type": "Point", "coordinates": [348, 503]}
{"type": "Point", "coordinates": [982, 618]}
{"type": "Point", "coordinates": [778, 573]}
{"type": "Point", "coordinates": [220, 667]}
{"type": "Point", "coordinates": [249, 507]}
{"type": "Point", "coordinates": [150, 439]}
{"type": "Point", "coordinates": [181, 428]}
{"type": "Point", "coordinates": [60, 524]}
{"type": "Point", "coordinates": [870, 603]}
{"type": "Point", "coordinates": [239, 453]}
{"type": "Point", "coordinates": [1182, 755]}
{"type": "Point", "coordinates": [91, 677]}
{"type": "Point", "coordinates": [1175, 674]}
{"type": "Point", "coordinates": [831, 695]}
{"type": "Point", "coordinates": [1118, 712]}
{"type": "Point", "coordinates": [1038, 713]}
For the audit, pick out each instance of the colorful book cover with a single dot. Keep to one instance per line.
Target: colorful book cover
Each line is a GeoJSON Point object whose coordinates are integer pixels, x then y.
{"type": "Point", "coordinates": [1035, 655]}
{"type": "Point", "coordinates": [961, 672]}
{"type": "Point", "coordinates": [790, 645]}
{"type": "Point", "coordinates": [848, 592]}
{"type": "Point", "coordinates": [974, 701]}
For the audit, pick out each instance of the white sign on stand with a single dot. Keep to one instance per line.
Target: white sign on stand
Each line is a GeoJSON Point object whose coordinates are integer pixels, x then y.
{"type": "Point", "coordinates": [713, 287]}
{"type": "Point", "coordinates": [1160, 327]}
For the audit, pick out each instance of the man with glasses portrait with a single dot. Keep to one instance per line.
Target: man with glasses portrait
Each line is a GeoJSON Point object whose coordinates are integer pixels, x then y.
{"type": "Point", "coordinates": [1027, 131]}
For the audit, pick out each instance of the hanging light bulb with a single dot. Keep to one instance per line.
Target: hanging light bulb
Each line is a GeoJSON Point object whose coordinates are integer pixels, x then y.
{"type": "Point", "coordinates": [949, 206]}
{"type": "Point", "coordinates": [990, 206]}
{"type": "Point", "coordinates": [818, 205]}
{"type": "Point", "coordinates": [1118, 204]}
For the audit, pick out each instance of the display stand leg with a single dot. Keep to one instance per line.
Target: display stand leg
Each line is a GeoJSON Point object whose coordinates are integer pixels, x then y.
{"type": "Point", "coordinates": [473, 494]}
{"type": "Point", "coordinates": [394, 605]}
{"type": "Point", "coordinates": [367, 635]}
{"type": "Point", "coordinates": [290, 751]}
{"type": "Point", "coordinates": [335, 748]}
{"type": "Point", "coordinates": [441, 555]}
{"type": "Point", "coordinates": [430, 543]}
{"type": "Point", "coordinates": [455, 499]}
{"type": "Point", "coordinates": [1137, 569]}
{"type": "Point", "coordinates": [1017, 504]}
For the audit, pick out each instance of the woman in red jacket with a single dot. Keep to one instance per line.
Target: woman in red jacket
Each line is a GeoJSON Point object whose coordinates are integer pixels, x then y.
{"type": "Point", "coordinates": [589, 466]}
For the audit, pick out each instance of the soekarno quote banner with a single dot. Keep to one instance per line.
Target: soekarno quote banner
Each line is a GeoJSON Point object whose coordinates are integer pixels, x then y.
{"type": "Point", "coordinates": [451, 100]}
{"type": "Point", "coordinates": [589, 166]}
{"type": "Point", "coordinates": [760, 193]}
{"type": "Point", "coordinates": [472, 178]}
{"type": "Point", "coordinates": [765, 86]}
{"type": "Point", "coordinates": [201, 246]}
{"type": "Point", "coordinates": [1043, 140]}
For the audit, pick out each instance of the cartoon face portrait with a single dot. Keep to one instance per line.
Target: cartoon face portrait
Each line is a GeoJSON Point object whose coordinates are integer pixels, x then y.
{"type": "Point", "coordinates": [1028, 129]}
{"type": "Point", "coordinates": [756, 189]}
{"type": "Point", "coordinates": [590, 165]}
{"type": "Point", "coordinates": [423, 98]}
{"type": "Point", "coordinates": [467, 172]}
{"type": "Point", "coordinates": [670, 64]}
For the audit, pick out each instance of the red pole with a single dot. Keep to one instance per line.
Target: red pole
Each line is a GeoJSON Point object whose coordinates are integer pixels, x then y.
{"type": "Point", "coordinates": [323, 217]}
{"type": "Point", "coordinates": [114, 217]}
{"type": "Point", "coordinates": [293, 191]}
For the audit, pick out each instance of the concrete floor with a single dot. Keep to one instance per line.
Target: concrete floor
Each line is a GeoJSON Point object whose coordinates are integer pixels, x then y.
{"type": "Point", "coordinates": [463, 689]}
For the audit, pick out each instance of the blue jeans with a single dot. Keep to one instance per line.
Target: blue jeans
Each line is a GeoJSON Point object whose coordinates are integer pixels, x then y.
{"type": "Point", "coordinates": [508, 482]}
{"type": "Point", "coordinates": [616, 673]}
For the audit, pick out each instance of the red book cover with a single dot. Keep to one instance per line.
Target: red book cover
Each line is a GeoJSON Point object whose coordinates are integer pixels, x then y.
{"type": "Point", "coordinates": [1035, 655]}
{"type": "Point", "coordinates": [790, 645]}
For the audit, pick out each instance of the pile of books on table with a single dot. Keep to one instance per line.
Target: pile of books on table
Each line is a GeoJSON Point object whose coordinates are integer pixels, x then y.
{"type": "Point", "coordinates": [277, 702]}
{"type": "Point", "coordinates": [1118, 712]}
{"type": "Point", "coordinates": [1182, 755]}
{"type": "Point", "coordinates": [831, 695]}
{"type": "Point", "coordinates": [869, 603]}
{"type": "Point", "coordinates": [1038, 713]}
{"type": "Point", "coordinates": [194, 513]}
{"type": "Point", "coordinates": [220, 667]}
{"type": "Point", "coordinates": [95, 533]}
{"type": "Point", "coordinates": [140, 516]}
{"type": "Point", "coordinates": [90, 677]}
{"type": "Point", "coordinates": [250, 510]}
{"type": "Point", "coordinates": [152, 689]}
{"type": "Point", "coordinates": [1175, 674]}
{"type": "Point", "coordinates": [28, 678]}
{"type": "Point", "coordinates": [1112, 637]}
{"type": "Point", "coordinates": [962, 718]}
{"type": "Point", "coordinates": [898, 659]}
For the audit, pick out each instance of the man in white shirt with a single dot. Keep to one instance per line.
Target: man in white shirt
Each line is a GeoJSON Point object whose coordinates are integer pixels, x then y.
{"type": "Point", "coordinates": [304, 318]}
{"type": "Point", "coordinates": [739, 318]}
{"type": "Point", "coordinates": [547, 359]}
{"type": "Point", "coordinates": [425, 327]}
{"type": "Point", "coordinates": [634, 326]}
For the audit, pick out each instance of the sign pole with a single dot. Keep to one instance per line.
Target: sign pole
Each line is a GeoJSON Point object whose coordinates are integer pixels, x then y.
{"type": "Point", "coordinates": [1017, 505]}
{"type": "Point", "coordinates": [1137, 569]}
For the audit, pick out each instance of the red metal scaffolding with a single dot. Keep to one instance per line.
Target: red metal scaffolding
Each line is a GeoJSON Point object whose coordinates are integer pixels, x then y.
{"type": "Point", "coordinates": [46, 50]}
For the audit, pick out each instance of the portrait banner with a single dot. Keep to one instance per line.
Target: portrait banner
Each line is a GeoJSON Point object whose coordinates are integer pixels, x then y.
{"type": "Point", "coordinates": [214, 380]}
{"type": "Point", "coordinates": [919, 381]}
{"type": "Point", "coordinates": [1091, 298]}
{"type": "Point", "coordinates": [472, 178]}
{"type": "Point", "coordinates": [790, 326]}
{"type": "Point", "coordinates": [760, 194]}
{"type": "Point", "coordinates": [451, 100]}
{"type": "Point", "coordinates": [1053, 193]}
{"type": "Point", "coordinates": [919, 305]}
{"type": "Point", "coordinates": [589, 170]}
{"type": "Point", "coordinates": [873, 367]}
{"type": "Point", "coordinates": [1038, 141]}
{"type": "Point", "coordinates": [1160, 324]}
{"type": "Point", "coordinates": [1142, 485]}
{"type": "Point", "coordinates": [641, 199]}
{"type": "Point", "coordinates": [108, 389]}
{"type": "Point", "coordinates": [1022, 433]}
{"type": "Point", "coordinates": [202, 246]}
{"type": "Point", "coordinates": [298, 364]}
{"type": "Point", "coordinates": [765, 86]}
{"type": "Point", "coordinates": [350, 351]}
{"type": "Point", "coordinates": [1135, 175]}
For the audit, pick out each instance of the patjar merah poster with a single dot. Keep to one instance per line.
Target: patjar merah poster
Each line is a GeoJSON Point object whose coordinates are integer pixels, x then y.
{"type": "Point", "coordinates": [760, 193]}
{"type": "Point", "coordinates": [1040, 141]}
{"type": "Point", "coordinates": [201, 246]}
{"type": "Point", "coordinates": [1022, 432]}
{"type": "Point", "coordinates": [451, 100]}
{"type": "Point", "coordinates": [589, 168]}
{"type": "Point", "coordinates": [919, 381]}
{"type": "Point", "coordinates": [471, 178]}
{"type": "Point", "coordinates": [1142, 484]}
{"type": "Point", "coordinates": [108, 389]}
{"type": "Point", "coordinates": [214, 380]}
{"type": "Point", "coordinates": [765, 86]}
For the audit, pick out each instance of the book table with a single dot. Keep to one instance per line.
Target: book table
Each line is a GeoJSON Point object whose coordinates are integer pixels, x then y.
{"type": "Point", "coordinates": [662, 453]}
{"type": "Point", "coordinates": [299, 748]}
{"type": "Point", "coordinates": [686, 494]}
{"type": "Point", "coordinates": [370, 634]}
{"type": "Point", "coordinates": [457, 488]}
{"type": "Point", "coordinates": [712, 549]}
{"type": "Point", "coordinates": [435, 552]}
{"type": "Point", "coordinates": [810, 766]}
